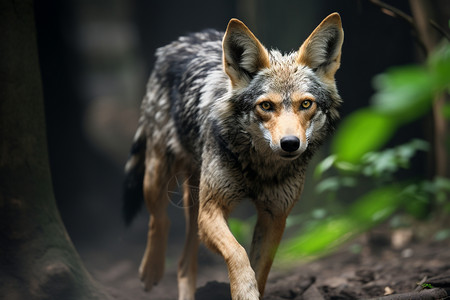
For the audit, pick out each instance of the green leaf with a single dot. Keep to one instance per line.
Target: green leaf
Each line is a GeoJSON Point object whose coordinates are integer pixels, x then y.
{"type": "Point", "coordinates": [442, 183]}
{"type": "Point", "coordinates": [318, 239]}
{"type": "Point", "coordinates": [319, 213]}
{"type": "Point", "coordinates": [409, 149]}
{"type": "Point", "coordinates": [324, 165]}
{"type": "Point", "coordinates": [345, 166]}
{"type": "Point", "coordinates": [380, 163]}
{"type": "Point", "coordinates": [330, 184]}
{"type": "Point", "coordinates": [439, 66]}
{"type": "Point", "coordinates": [404, 93]}
{"type": "Point", "coordinates": [376, 205]}
{"type": "Point", "coordinates": [362, 132]}
{"type": "Point", "coordinates": [366, 212]}
{"type": "Point", "coordinates": [427, 286]}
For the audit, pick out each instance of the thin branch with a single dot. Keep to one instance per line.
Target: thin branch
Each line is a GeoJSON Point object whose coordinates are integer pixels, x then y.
{"type": "Point", "coordinates": [440, 29]}
{"type": "Point", "coordinates": [395, 12]}
{"type": "Point", "coordinates": [419, 284]}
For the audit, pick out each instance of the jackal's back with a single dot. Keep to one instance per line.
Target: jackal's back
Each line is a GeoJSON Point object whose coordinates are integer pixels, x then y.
{"type": "Point", "coordinates": [179, 93]}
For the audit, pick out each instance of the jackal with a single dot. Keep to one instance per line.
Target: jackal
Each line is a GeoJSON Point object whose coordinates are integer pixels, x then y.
{"type": "Point", "coordinates": [241, 122]}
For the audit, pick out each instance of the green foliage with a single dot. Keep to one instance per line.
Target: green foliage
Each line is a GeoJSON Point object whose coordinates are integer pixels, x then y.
{"type": "Point", "coordinates": [368, 210]}
{"type": "Point", "coordinates": [363, 131]}
{"type": "Point", "coordinates": [425, 193]}
{"type": "Point", "coordinates": [404, 94]}
{"type": "Point", "coordinates": [377, 164]}
{"type": "Point", "coordinates": [427, 286]}
{"type": "Point", "coordinates": [383, 199]}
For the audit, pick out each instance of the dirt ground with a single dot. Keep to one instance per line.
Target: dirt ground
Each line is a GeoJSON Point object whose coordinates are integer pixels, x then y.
{"type": "Point", "coordinates": [371, 266]}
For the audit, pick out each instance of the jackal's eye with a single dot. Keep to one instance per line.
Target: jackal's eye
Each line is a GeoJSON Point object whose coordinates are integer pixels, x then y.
{"type": "Point", "coordinates": [306, 104]}
{"type": "Point", "coordinates": [266, 106]}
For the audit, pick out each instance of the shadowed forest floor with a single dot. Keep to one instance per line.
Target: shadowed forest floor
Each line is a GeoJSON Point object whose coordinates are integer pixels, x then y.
{"type": "Point", "coordinates": [370, 272]}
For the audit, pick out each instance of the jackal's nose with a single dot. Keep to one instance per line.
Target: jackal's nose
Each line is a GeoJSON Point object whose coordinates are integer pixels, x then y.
{"type": "Point", "coordinates": [290, 143]}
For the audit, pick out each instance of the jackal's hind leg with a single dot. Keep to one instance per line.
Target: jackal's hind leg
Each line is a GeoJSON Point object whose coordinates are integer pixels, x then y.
{"type": "Point", "coordinates": [156, 185]}
{"type": "Point", "coordinates": [187, 268]}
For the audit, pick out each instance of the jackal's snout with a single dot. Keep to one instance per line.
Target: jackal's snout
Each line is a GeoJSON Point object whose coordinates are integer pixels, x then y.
{"type": "Point", "coordinates": [290, 143]}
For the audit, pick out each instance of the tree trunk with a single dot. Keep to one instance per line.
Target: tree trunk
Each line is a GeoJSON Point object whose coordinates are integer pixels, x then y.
{"type": "Point", "coordinates": [37, 258]}
{"type": "Point", "coordinates": [423, 11]}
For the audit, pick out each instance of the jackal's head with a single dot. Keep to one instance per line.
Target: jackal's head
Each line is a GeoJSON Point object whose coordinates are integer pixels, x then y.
{"type": "Point", "coordinates": [287, 101]}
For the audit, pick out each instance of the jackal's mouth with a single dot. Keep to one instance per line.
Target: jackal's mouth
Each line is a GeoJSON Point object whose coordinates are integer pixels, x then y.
{"type": "Point", "coordinates": [290, 156]}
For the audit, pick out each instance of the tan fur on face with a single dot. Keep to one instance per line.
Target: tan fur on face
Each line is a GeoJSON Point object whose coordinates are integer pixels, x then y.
{"type": "Point", "coordinates": [284, 121]}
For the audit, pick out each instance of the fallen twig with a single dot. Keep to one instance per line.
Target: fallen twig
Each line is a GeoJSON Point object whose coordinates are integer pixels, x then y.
{"type": "Point", "coordinates": [428, 294]}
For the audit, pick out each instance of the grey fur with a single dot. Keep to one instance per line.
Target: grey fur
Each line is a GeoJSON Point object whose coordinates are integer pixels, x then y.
{"type": "Point", "coordinates": [200, 123]}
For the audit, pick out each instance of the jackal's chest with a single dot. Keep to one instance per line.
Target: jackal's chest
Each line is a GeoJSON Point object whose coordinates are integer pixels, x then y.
{"type": "Point", "coordinates": [277, 194]}
{"type": "Point", "coordinates": [278, 199]}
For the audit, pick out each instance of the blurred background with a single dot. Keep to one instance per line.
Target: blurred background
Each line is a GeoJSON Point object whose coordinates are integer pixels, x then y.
{"type": "Point", "coordinates": [96, 57]}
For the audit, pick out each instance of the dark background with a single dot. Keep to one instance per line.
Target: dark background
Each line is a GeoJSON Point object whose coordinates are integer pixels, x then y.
{"type": "Point", "coordinates": [96, 56]}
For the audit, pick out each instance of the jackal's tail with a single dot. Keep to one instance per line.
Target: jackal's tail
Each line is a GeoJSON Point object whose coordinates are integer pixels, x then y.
{"type": "Point", "coordinates": [133, 195]}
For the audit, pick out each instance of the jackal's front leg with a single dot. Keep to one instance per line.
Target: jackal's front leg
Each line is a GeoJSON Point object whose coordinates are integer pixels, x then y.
{"type": "Point", "coordinates": [216, 235]}
{"type": "Point", "coordinates": [266, 238]}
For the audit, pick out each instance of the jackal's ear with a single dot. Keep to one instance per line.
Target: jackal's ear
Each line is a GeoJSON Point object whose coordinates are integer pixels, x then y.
{"type": "Point", "coordinates": [322, 49]}
{"type": "Point", "coordinates": [243, 54]}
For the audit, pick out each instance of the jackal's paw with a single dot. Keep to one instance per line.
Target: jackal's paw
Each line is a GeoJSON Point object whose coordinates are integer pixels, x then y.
{"type": "Point", "coordinates": [245, 290]}
{"type": "Point", "coordinates": [248, 294]}
{"type": "Point", "coordinates": [150, 273]}
{"type": "Point", "coordinates": [186, 289]}
{"type": "Point", "coordinates": [185, 297]}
